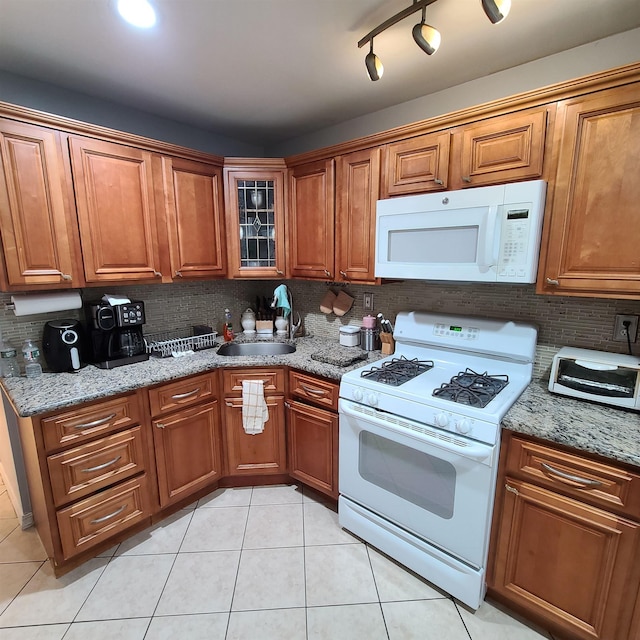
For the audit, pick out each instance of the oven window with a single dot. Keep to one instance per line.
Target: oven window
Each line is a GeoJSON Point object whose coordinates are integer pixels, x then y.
{"type": "Point", "coordinates": [420, 478]}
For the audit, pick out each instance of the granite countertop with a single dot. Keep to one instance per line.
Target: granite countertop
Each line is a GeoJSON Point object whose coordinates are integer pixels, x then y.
{"type": "Point", "coordinates": [608, 431]}
{"type": "Point", "coordinates": [586, 426]}
{"type": "Point", "coordinates": [53, 391]}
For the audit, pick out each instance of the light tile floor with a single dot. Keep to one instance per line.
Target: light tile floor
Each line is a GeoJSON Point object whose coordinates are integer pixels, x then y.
{"type": "Point", "coordinates": [263, 563]}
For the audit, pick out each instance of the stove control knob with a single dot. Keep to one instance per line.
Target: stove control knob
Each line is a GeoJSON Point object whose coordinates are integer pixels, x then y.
{"type": "Point", "coordinates": [357, 395]}
{"type": "Point", "coordinates": [463, 426]}
{"type": "Point", "coordinates": [372, 399]}
{"type": "Point", "coordinates": [442, 419]}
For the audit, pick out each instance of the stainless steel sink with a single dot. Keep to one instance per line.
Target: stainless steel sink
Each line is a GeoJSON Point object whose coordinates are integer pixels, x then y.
{"type": "Point", "coordinates": [255, 349]}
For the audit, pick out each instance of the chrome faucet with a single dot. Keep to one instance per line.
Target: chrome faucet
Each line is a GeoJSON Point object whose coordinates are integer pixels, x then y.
{"type": "Point", "coordinates": [293, 324]}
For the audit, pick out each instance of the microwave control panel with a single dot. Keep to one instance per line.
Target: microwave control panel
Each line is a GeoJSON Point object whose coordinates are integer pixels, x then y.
{"type": "Point", "coordinates": [513, 260]}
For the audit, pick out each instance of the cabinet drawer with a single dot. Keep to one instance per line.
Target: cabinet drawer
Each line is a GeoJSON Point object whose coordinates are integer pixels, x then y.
{"type": "Point", "coordinates": [91, 521]}
{"type": "Point", "coordinates": [604, 485]}
{"type": "Point", "coordinates": [320, 392]}
{"type": "Point", "coordinates": [81, 424]}
{"type": "Point", "coordinates": [182, 393]}
{"type": "Point", "coordinates": [273, 380]}
{"type": "Point", "coordinates": [78, 472]}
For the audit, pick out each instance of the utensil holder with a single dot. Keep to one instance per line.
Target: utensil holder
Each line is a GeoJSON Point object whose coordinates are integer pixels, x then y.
{"type": "Point", "coordinates": [388, 343]}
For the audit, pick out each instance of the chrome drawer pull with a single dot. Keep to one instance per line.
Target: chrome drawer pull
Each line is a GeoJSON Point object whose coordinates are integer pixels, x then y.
{"type": "Point", "coordinates": [181, 396]}
{"type": "Point", "coordinates": [109, 516]}
{"type": "Point", "coordinates": [561, 475]}
{"type": "Point", "coordinates": [313, 392]}
{"type": "Point", "coordinates": [508, 487]}
{"type": "Point", "coordinates": [95, 423]}
{"type": "Point", "coordinates": [102, 466]}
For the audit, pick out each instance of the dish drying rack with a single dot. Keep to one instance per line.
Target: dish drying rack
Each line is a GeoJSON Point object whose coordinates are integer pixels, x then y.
{"type": "Point", "coordinates": [176, 343]}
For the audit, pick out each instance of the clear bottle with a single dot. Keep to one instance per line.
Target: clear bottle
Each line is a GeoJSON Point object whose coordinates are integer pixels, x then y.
{"type": "Point", "coordinates": [31, 353]}
{"type": "Point", "coordinates": [227, 332]}
{"type": "Point", "coordinates": [9, 367]}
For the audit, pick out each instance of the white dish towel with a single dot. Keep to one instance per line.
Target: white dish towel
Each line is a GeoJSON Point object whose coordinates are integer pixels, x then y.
{"type": "Point", "coordinates": [254, 407]}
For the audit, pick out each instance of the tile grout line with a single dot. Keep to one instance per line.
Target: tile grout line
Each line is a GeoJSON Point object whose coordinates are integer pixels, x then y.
{"type": "Point", "coordinates": [21, 590]}
{"type": "Point", "coordinates": [235, 582]}
{"type": "Point", "coordinates": [164, 586]}
{"type": "Point", "coordinates": [375, 584]}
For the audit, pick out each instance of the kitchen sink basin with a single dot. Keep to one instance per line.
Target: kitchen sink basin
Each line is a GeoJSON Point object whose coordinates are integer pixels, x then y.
{"type": "Point", "coordinates": [255, 349]}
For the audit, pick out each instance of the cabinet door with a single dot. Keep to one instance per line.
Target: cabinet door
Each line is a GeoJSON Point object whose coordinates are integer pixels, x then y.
{"type": "Point", "coordinates": [188, 452]}
{"type": "Point", "coordinates": [194, 210]}
{"type": "Point", "coordinates": [116, 211]}
{"type": "Point", "coordinates": [500, 149]}
{"type": "Point", "coordinates": [313, 447]}
{"type": "Point", "coordinates": [357, 191]}
{"type": "Point", "coordinates": [592, 234]}
{"type": "Point", "coordinates": [39, 240]}
{"type": "Point", "coordinates": [569, 564]}
{"type": "Point", "coordinates": [262, 453]}
{"type": "Point", "coordinates": [255, 213]}
{"type": "Point", "coordinates": [312, 225]}
{"type": "Point", "coordinates": [417, 165]}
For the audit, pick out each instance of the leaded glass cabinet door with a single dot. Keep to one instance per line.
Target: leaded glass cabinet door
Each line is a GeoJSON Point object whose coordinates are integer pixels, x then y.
{"type": "Point", "coordinates": [255, 208]}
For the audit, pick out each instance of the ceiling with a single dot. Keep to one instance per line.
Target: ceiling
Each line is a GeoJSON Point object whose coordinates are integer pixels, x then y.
{"type": "Point", "coordinates": [265, 71]}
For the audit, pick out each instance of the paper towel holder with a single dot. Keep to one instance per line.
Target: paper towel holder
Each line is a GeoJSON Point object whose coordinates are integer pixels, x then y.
{"type": "Point", "coordinates": [44, 303]}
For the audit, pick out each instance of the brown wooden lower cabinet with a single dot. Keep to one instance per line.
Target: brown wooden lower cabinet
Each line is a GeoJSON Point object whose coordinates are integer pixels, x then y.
{"type": "Point", "coordinates": [252, 454]}
{"type": "Point", "coordinates": [567, 564]}
{"type": "Point", "coordinates": [187, 447]}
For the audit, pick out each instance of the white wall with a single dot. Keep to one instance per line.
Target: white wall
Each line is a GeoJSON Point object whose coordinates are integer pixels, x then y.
{"type": "Point", "coordinates": [607, 53]}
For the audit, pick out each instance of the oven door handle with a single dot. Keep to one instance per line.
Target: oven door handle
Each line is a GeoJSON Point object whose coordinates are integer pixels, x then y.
{"type": "Point", "coordinates": [447, 442]}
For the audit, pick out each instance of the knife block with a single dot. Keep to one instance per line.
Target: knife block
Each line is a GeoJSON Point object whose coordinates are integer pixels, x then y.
{"type": "Point", "coordinates": [388, 343]}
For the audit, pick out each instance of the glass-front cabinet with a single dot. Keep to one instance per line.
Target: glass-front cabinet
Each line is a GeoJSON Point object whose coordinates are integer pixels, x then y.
{"type": "Point", "coordinates": [255, 213]}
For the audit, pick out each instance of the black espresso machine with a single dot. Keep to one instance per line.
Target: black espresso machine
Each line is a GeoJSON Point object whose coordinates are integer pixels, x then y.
{"type": "Point", "coordinates": [114, 333]}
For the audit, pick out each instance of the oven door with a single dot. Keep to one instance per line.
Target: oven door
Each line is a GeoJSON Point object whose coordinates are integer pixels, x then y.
{"type": "Point", "coordinates": [436, 485]}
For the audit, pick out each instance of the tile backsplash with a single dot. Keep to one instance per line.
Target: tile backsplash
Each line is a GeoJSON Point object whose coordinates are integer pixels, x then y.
{"type": "Point", "coordinates": [561, 321]}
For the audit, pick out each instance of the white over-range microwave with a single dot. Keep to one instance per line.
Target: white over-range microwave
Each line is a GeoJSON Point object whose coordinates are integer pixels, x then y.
{"type": "Point", "coordinates": [481, 234]}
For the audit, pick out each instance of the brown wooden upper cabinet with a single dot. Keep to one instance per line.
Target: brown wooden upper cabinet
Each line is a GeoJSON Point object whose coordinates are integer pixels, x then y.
{"type": "Point", "coordinates": [255, 217]}
{"type": "Point", "coordinates": [193, 199]}
{"type": "Point", "coordinates": [312, 220]}
{"type": "Point", "coordinates": [357, 191]}
{"type": "Point", "coordinates": [496, 150]}
{"type": "Point", "coordinates": [591, 241]}
{"type": "Point", "coordinates": [116, 211]}
{"type": "Point", "coordinates": [416, 165]}
{"type": "Point", "coordinates": [39, 236]}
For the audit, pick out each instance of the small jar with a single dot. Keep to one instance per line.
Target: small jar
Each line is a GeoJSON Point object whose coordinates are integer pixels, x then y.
{"type": "Point", "coordinates": [248, 321]}
{"type": "Point", "coordinates": [349, 336]}
{"type": "Point", "coordinates": [369, 339]}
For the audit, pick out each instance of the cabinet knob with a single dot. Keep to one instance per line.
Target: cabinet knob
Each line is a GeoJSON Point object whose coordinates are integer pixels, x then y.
{"type": "Point", "coordinates": [178, 274]}
{"type": "Point", "coordinates": [280, 273]}
{"type": "Point", "coordinates": [65, 276]}
{"type": "Point", "coordinates": [438, 181]}
{"type": "Point", "coordinates": [466, 179]}
{"type": "Point", "coordinates": [157, 274]}
{"type": "Point", "coordinates": [160, 425]}
{"type": "Point", "coordinates": [551, 281]}
{"type": "Point", "coordinates": [286, 404]}
{"type": "Point", "coordinates": [508, 487]}
{"type": "Point", "coordinates": [327, 273]}
{"type": "Point", "coordinates": [344, 275]}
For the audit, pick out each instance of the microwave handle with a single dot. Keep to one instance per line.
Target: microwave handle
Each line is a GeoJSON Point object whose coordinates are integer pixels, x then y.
{"type": "Point", "coordinates": [489, 256]}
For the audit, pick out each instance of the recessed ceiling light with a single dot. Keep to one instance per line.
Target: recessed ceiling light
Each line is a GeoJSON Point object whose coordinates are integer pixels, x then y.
{"type": "Point", "coordinates": [139, 13]}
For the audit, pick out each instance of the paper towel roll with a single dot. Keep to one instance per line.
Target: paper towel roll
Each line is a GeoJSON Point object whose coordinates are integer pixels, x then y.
{"type": "Point", "coordinates": [29, 305]}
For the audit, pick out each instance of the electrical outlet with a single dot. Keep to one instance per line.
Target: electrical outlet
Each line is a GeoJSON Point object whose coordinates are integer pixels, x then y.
{"type": "Point", "coordinates": [620, 331]}
{"type": "Point", "coordinates": [367, 301]}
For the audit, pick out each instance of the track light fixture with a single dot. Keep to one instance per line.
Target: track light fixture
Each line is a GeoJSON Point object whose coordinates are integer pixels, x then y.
{"type": "Point", "coordinates": [496, 10]}
{"type": "Point", "coordinates": [427, 37]}
{"type": "Point", "coordinates": [374, 66]}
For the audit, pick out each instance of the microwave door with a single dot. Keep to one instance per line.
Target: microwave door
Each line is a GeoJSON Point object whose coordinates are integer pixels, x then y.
{"type": "Point", "coordinates": [449, 245]}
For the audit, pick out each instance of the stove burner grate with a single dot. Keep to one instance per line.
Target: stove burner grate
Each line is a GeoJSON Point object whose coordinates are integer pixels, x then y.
{"type": "Point", "coordinates": [472, 389]}
{"type": "Point", "coordinates": [397, 371]}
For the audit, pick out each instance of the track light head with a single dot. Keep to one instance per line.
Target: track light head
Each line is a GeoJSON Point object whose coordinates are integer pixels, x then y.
{"type": "Point", "coordinates": [496, 10]}
{"type": "Point", "coordinates": [427, 37]}
{"type": "Point", "coordinates": [373, 64]}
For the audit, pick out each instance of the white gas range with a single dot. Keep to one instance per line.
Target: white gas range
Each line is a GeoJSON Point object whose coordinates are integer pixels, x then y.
{"type": "Point", "coordinates": [419, 439]}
